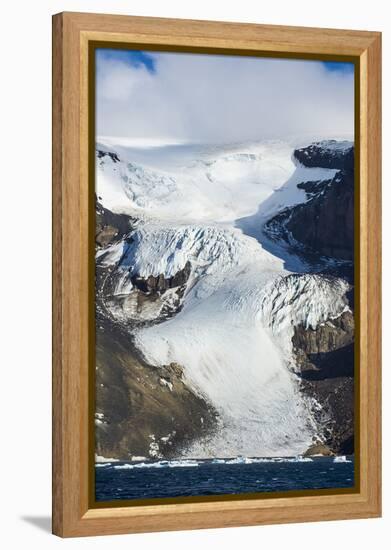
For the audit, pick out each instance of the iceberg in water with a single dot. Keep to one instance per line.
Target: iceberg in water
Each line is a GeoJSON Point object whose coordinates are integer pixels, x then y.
{"type": "Point", "coordinates": [341, 459]}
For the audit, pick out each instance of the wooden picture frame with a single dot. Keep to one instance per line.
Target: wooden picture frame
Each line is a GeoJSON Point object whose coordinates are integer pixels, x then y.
{"type": "Point", "coordinates": [73, 514]}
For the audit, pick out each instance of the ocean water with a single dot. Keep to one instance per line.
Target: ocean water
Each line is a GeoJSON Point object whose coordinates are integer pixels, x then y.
{"type": "Point", "coordinates": [160, 479]}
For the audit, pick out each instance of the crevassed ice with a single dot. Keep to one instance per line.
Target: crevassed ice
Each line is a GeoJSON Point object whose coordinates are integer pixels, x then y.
{"type": "Point", "coordinates": [233, 334]}
{"type": "Point", "coordinates": [233, 338]}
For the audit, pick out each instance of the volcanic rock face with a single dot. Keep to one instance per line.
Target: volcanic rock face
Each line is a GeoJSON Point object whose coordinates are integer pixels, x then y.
{"type": "Point", "coordinates": [161, 283]}
{"type": "Point", "coordinates": [327, 154]}
{"type": "Point", "coordinates": [325, 359]}
{"type": "Point", "coordinates": [109, 227]}
{"type": "Point", "coordinates": [325, 223]}
{"type": "Point", "coordinates": [101, 154]}
{"type": "Point", "coordinates": [331, 335]}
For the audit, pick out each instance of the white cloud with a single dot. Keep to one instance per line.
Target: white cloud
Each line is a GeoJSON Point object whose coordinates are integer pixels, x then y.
{"type": "Point", "coordinates": [222, 99]}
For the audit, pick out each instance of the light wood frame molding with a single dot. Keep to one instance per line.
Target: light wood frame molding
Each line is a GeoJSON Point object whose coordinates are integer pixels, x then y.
{"type": "Point", "coordinates": [72, 33]}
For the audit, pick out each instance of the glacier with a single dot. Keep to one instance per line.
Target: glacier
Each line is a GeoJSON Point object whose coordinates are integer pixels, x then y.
{"type": "Point", "coordinates": [232, 334]}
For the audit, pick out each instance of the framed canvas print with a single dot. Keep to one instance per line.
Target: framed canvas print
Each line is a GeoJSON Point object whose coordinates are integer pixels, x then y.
{"type": "Point", "coordinates": [216, 351]}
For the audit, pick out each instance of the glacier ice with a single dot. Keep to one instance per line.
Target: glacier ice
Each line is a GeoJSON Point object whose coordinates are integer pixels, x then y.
{"type": "Point", "coordinates": [233, 334]}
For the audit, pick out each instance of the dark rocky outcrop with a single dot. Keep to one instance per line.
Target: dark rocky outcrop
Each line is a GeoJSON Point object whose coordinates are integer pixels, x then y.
{"type": "Point", "coordinates": [109, 227]}
{"type": "Point", "coordinates": [319, 449]}
{"type": "Point", "coordinates": [138, 308]}
{"type": "Point", "coordinates": [147, 302]}
{"type": "Point", "coordinates": [327, 154]}
{"type": "Point", "coordinates": [331, 335]}
{"type": "Point", "coordinates": [325, 362]}
{"type": "Point", "coordinates": [312, 187]}
{"type": "Point", "coordinates": [325, 223]}
{"type": "Point", "coordinates": [101, 154]}
{"type": "Point", "coordinates": [160, 283]}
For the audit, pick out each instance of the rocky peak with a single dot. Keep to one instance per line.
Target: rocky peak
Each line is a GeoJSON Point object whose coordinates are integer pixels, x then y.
{"type": "Point", "coordinates": [114, 157]}
{"type": "Point", "coordinates": [327, 154]}
{"type": "Point", "coordinates": [324, 224]}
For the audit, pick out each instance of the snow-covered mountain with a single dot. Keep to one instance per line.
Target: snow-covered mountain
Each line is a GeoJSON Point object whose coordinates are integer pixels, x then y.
{"type": "Point", "coordinates": [190, 184]}
{"type": "Point", "coordinates": [197, 283]}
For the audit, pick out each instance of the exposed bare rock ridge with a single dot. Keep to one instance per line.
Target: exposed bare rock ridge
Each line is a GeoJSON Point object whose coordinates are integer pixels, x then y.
{"type": "Point", "coordinates": [324, 224]}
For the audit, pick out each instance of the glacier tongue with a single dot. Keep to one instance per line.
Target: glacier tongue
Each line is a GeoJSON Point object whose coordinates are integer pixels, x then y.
{"type": "Point", "coordinates": [233, 334]}
{"type": "Point", "coordinates": [233, 338]}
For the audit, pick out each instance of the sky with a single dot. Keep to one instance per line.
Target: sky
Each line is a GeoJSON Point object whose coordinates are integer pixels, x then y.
{"type": "Point", "coordinates": [198, 98]}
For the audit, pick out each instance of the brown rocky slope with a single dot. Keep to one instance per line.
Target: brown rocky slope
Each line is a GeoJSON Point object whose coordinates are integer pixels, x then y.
{"type": "Point", "coordinates": [141, 410]}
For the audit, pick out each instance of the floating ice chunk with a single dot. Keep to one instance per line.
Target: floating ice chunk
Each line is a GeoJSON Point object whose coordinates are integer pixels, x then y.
{"type": "Point", "coordinates": [101, 459]}
{"type": "Point", "coordinates": [341, 459]}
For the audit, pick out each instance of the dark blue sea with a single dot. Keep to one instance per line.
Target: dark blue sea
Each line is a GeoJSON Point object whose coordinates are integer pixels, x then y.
{"type": "Point", "coordinates": [121, 480]}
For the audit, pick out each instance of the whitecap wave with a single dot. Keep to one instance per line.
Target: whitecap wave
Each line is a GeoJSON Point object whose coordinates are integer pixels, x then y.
{"type": "Point", "coordinates": [195, 463]}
